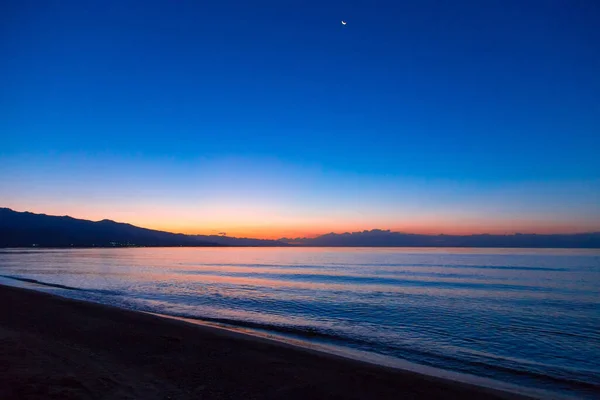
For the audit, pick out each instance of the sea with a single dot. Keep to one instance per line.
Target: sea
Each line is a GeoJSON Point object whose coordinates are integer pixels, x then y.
{"type": "Point", "coordinates": [523, 320]}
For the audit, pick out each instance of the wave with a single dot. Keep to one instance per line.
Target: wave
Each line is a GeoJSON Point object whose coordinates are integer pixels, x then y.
{"type": "Point", "coordinates": [500, 267]}
{"type": "Point", "coordinates": [29, 280]}
{"type": "Point", "coordinates": [59, 286]}
{"type": "Point", "coordinates": [369, 280]}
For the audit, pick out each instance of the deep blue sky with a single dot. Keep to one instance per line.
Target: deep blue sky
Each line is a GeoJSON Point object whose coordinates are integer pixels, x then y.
{"type": "Point", "coordinates": [270, 116]}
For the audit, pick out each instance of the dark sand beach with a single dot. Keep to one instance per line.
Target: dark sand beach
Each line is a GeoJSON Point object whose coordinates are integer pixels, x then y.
{"type": "Point", "coordinates": [57, 348]}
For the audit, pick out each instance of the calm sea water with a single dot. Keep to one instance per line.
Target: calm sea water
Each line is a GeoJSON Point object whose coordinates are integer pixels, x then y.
{"type": "Point", "coordinates": [528, 317]}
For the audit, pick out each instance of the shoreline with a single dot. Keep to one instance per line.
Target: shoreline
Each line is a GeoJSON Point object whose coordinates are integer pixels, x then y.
{"type": "Point", "coordinates": [295, 246]}
{"type": "Point", "coordinates": [238, 363]}
{"type": "Point", "coordinates": [373, 359]}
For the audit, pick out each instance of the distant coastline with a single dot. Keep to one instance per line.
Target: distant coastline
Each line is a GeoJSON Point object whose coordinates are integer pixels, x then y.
{"type": "Point", "coordinates": [29, 230]}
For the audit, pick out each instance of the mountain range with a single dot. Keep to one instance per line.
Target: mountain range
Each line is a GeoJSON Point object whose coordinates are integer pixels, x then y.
{"type": "Point", "coordinates": [386, 238]}
{"type": "Point", "coordinates": [25, 229]}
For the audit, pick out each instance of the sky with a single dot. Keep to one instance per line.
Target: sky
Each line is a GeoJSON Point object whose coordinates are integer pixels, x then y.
{"type": "Point", "coordinates": [272, 119]}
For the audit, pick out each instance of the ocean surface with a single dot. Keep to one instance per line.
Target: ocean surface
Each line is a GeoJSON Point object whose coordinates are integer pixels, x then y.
{"type": "Point", "coordinates": [526, 317]}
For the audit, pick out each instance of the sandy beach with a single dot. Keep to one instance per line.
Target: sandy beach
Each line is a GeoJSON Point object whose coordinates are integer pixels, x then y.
{"type": "Point", "coordinates": [57, 348]}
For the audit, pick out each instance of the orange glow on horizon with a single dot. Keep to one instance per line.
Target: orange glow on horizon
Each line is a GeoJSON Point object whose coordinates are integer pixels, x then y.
{"type": "Point", "coordinates": [291, 233]}
{"type": "Point", "coordinates": [427, 225]}
{"type": "Point", "coordinates": [274, 225]}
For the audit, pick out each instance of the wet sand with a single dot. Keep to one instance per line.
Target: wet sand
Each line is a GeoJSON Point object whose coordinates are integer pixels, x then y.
{"type": "Point", "coordinates": [57, 348]}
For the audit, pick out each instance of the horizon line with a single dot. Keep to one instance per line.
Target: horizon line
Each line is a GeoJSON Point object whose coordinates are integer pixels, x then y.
{"type": "Point", "coordinates": [310, 237]}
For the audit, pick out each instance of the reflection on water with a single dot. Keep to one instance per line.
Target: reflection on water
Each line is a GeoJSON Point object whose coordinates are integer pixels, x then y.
{"type": "Point", "coordinates": [530, 317]}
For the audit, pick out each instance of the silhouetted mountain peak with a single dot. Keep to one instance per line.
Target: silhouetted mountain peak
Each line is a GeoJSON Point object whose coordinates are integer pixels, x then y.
{"type": "Point", "coordinates": [26, 229]}
{"type": "Point", "coordinates": [111, 222]}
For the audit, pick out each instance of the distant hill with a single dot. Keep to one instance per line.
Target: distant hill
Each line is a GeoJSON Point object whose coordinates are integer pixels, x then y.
{"type": "Point", "coordinates": [386, 238]}
{"type": "Point", "coordinates": [25, 229]}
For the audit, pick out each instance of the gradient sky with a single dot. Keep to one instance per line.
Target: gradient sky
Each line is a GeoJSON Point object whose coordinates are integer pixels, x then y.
{"type": "Point", "coordinates": [270, 118]}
